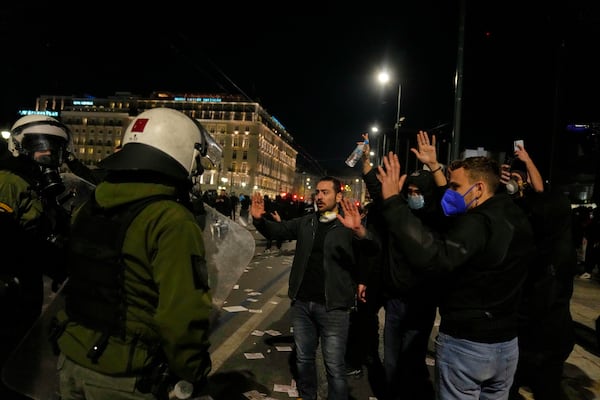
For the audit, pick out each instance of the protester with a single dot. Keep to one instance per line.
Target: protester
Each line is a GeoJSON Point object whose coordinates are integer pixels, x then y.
{"type": "Point", "coordinates": [273, 211]}
{"type": "Point", "coordinates": [409, 298]}
{"type": "Point", "coordinates": [137, 303]}
{"type": "Point", "coordinates": [321, 284]}
{"type": "Point", "coordinates": [34, 228]}
{"type": "Point", "coordinates": [223, 203]}
{"type": "Point", "coordinates": [482, 259]}
{"type": "Point", "coordinates": [546, 331]}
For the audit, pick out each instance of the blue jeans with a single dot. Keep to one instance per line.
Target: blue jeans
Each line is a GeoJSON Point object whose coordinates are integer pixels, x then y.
{"type": "Point", "coordinates": [405, 339]}
{"type": "Point", "coordinates": [473, 370]}
{"type": "Point", "coordinates": [311, 323]}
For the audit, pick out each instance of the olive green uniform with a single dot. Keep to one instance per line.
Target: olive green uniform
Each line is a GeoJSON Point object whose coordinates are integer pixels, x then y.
{"type": "Point", "coordinates": [165, 287]}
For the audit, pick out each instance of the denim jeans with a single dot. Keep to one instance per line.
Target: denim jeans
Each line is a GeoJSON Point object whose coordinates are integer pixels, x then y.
{"type": "Point", "coordinates": [311, 323]}
{"type": "Point", "coordinates": [473, 370]}
{"type": "Point", "coordinates": [405, 339]}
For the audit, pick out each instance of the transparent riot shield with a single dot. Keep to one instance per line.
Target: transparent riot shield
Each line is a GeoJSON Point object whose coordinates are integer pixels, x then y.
{"type": "Point", "coordinates": [31, 369]}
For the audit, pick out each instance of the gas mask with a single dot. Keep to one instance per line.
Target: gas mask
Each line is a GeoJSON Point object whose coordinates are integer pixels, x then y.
{"type": "Point", "coordinates": [47, 151]}
{"type": "Point", "coordinates": [50, 184]}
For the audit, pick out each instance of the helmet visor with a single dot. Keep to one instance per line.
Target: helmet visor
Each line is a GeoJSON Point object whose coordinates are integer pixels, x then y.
{"type": "Point", "coordinates": [52, 146]}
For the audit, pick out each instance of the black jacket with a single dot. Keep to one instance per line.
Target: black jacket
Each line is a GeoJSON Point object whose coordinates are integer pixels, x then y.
{"type": "Point", "coordinates": [340, 261]}
{"type": "Point", "coordinates": [545, 324]}
{"type": "Point", "coordinates": [482, 259]}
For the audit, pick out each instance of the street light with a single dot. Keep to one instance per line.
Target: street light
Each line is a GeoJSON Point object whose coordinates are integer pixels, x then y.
{"type": "Point", "coordinates": [374, 130]}
{"type": "Point", "coordinates": [383, 77]}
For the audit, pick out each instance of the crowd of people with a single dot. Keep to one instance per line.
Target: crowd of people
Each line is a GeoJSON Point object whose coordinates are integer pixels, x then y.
{"type": "Point", "coordinates": [487, 246]}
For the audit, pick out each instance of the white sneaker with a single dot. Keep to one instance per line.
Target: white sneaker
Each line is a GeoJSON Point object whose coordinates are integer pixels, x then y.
{"type": "Point", "coordinates": [585, 275]}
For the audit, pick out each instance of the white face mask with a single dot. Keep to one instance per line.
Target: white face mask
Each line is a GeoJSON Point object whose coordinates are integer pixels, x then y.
{"type": "Point", "coordinates": [327, 216]}
{"type": "Point", "coordinates": [416, 201]}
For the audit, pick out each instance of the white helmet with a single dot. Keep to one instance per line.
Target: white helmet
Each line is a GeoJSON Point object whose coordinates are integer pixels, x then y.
{"type": "Point", "coordinates": [163, 140]}
{"type": "Point", "coordinates": [34, 133]}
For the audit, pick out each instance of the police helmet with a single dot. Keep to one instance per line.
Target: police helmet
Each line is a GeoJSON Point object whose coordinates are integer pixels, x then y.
{"type": "Point", "coordinates": [40, 133]}
{"type": "Point", "coordinates": [166, 141]}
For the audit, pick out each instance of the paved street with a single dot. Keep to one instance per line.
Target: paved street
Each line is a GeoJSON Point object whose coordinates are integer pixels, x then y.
{"type": "Point", "coordinates": [252, 349]}
{"type": "Point", "coordinates": [252, 340]}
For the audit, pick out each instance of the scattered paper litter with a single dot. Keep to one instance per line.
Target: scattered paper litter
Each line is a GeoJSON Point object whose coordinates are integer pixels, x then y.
{"type": "Point", "coordinates": [273, 332]}
{"type": "Point", "coordinates": [254, 356]}
{"type": "Point", "coordinates": [256, 332]}
{"type": "Point", "coordinates": [283, 348]}
{"type": "Point", "coordinates": [235, 308]}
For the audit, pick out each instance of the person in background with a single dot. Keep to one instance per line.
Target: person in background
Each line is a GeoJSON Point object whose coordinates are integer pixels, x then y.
{"type": "Point", "coordinates": [136, 315]}
{"type": "Point", "coordinates": [409, 297]}
{"type": "Point", "coordinates": [234, 201]}
{"type": "Point", "coordinates": [223, 203]}
{"type": "Point", "coordinates": [34, 228]}
{"type": "Point", "coordinates": [591, 233]}
{"type": "Point", "coordinates": [244, 207]}
{"type": "Point", "coordinates": [321, 284]}
{"type": "Point", "coordinates": [482, 260]}
{"type": "Point", "coordinates": [272, 213]}
{"type": "Point", "coordinates": [546, 331]}
{"type": "Point", "coordinates": [520, 171]}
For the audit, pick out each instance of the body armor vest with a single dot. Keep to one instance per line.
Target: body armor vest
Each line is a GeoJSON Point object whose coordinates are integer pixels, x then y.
{"type": "Point", "coordinates": [94, 294]}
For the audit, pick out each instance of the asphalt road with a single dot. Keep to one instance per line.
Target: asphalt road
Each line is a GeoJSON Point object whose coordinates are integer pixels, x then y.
{"type": "Point", "coordinates": [252, 346]}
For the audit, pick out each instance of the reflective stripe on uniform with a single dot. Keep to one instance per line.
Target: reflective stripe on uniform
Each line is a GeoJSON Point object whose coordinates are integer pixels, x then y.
{"type": "Point", "coordinates": [5, 208]}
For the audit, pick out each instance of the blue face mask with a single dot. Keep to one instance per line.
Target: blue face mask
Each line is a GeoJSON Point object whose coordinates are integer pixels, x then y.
{"type": "Point", "coordinates": [416, 202]}
{"type": "Point", "coordinates": [453, 203]}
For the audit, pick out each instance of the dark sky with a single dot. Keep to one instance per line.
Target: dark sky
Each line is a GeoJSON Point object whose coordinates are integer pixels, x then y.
{"type": "Point", "coordinates": [316, 73]}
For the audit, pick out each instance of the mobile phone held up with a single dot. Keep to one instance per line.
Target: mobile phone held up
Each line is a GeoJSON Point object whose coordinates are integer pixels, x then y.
{"type": "Point", "coordinates": [518, 143]}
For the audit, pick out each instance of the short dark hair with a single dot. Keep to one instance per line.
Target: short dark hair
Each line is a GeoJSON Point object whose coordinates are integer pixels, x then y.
{"type": "Point", "coordinates": [337, 185]}
{"type": "Point", "coordinates": [480, 167]}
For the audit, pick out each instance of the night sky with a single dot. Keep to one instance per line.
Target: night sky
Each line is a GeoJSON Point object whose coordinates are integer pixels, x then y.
{"type": "Point", "coordinates": [527, 71]}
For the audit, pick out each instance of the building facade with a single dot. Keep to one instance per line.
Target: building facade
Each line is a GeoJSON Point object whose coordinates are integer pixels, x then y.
{"type": "Point", "coordinates": [258, 152]}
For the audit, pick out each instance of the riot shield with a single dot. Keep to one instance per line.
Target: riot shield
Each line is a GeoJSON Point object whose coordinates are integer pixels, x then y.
{"type": "Point", "coordinates": [31, 369]}
{"type": "Point", "coordinates": [77, 191]}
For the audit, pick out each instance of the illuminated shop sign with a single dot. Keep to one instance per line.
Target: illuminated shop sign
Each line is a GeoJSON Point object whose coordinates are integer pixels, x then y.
{"type": "Point", "coordinates": [198, 99]}
{"type": "Point", "coordinates": [34, 112]}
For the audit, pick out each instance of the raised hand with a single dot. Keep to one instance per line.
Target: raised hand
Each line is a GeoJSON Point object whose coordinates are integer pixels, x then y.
{"type": "Point", "coordinates": [426, 152]}
{"type": "Point", "coordinates": [389, 176]}
{"type": "Point", "coordinates": [257, 207]}
{"type": "Point", "coordinates": [351, 217]}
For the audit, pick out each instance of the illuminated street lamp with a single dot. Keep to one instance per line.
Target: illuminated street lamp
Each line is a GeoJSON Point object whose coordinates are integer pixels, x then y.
{"type": "Point", "coordinates": [374, 130]}
{"type": "Point", "coordinates": [383, 77]}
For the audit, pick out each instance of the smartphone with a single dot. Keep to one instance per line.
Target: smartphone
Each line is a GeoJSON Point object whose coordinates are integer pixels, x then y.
{"type": "Point", "coordinates": [517, 143]}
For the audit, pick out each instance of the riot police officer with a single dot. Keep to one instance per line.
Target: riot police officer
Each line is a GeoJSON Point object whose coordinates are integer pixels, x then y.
{"type": "Point", "coordinates": [137, 303]}
{"type": "Point", "coordinates": [33, 226]}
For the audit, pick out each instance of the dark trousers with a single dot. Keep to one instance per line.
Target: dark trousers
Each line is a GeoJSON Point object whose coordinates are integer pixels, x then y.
{"type": "Point", "coordinates": [407, 329]}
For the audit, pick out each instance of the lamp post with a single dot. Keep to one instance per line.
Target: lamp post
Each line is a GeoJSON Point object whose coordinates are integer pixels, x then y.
{"type": "Point", "coordinates": [397, 124]}
{"type": "Point", "coordinates": [374, 130]}
{"type": "Point", "coordinates": [383, 77]}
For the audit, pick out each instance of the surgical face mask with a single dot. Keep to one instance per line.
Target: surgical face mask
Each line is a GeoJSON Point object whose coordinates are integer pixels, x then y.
{"type": "Point", "coordinates": [453, 203]}
{"type": "Point", "coordinates": [416, 202]}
